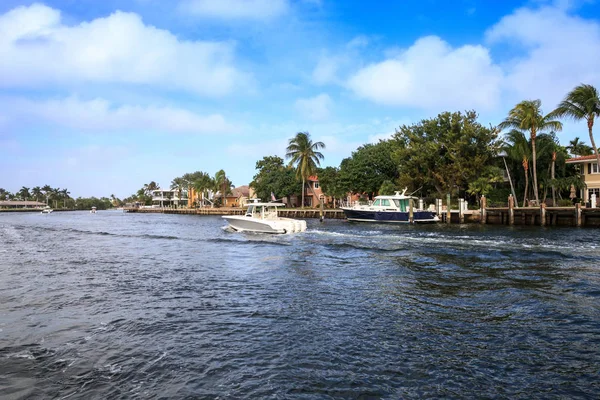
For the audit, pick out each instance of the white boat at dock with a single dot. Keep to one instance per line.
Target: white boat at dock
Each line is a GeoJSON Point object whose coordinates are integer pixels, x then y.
{"type": "Point", "coordinates": [263, 218]}
{"type": "Point", "coordinates": [47, 210]}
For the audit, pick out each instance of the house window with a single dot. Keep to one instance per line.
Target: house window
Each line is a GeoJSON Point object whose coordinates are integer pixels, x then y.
{"type": "Point", "coordinates": [592, 168]}
{"type": "Point", "coordinates": [595, 191]}
{"type": "Point", "coordinates": [316, 185]}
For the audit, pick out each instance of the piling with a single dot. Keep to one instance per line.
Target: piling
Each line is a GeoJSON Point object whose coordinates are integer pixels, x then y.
{"type": "Point", "coordinates": [578, 214]}
{"type": "Point", "coordinates": [448, 209]}
{"type": "Point", "coordinates": [511, 210]}
{"type": "Point", "coordinates": [542, 214]}
{"type": "Point", "coordinates": [411, 215]}
{"type": "Point", "coordinates": [483, 210]}
{"type": "Point", "coordinates": [461, 211]}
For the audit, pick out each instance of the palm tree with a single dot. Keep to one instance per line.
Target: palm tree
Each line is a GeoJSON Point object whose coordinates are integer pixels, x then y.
{"type": "Point", "coordinates": [36, 192]}
{"type": "Point", "coordinates": [24, 193]}
{"type": "Point", "coordinates": [47, 189]}
{"type": "Point", "coordinates": [578, 148]}
{"type": "Point", "coordinates": [305, 155]}
{"type": "Point", "coordinates": [65, 195]}
{"type": "Point", "coordinates": [583, 102]}
{"type": "Point", "coordinates": [222, 184]}
{"type": "Point", "coordinates": [518, 149]}
{"type": "Point", "coordinates": [178, 184]}
{"type": "Point", "coordinates": [527, 116]}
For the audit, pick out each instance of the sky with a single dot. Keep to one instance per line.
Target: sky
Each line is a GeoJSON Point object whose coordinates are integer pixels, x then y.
{"type": "Point", "coordinates": [101, 97]}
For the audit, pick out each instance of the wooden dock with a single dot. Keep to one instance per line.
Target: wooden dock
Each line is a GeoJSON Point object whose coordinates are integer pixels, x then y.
{"type": "Point", "coordinates": [542, 216]}
{"type": "Point", "coordinates": [289, 213]}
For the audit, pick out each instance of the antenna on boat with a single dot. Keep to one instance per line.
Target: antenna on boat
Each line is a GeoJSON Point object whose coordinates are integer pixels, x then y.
{"type": "Point", "coordinates": [416, 191]}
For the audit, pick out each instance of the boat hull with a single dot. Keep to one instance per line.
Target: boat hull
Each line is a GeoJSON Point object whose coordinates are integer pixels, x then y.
{"type": "Point", "coordinates": [278, 226]}
{"type": "Point", "coordinates": [399, 217]}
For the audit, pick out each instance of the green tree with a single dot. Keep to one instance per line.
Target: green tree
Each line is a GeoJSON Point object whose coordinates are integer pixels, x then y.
{"type": "Point", "coordinates": [331, 184]}
{"type": "Point", "coordinates": [368, 167]}
{"type": "Point", "coordinates": [517, 148]}
{"type": "Point", "coordinates": [274, 177]}
{"type": "Point", "coordinates": [387, 187]}
{"type": "Point", "coordinates": [528, 116]}
{"type": "Point", "coordinates": [578, 148]}
{"type": "Point", "coordinates": [222, 184]}
{"type": "Point", "coordinates": [179, 184]}
{"type": "Point", "coordinates": [581, 103]}
{"type": "Point", "coordinates": [444, 154]}
{"type": "Point", "coordinates": [24, 193]}
{"type": "Point", "coordinates": [36, 192]}
{"type": "Point", "coordinates": [305, 155]}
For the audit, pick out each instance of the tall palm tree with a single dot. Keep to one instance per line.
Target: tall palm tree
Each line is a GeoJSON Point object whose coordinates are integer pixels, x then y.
{"type": "Point", "coordinates": [24, 193]}
{"type": "Point", "coordinates": [222, 184]}
{"type": "Point", "coordinates": [36, 192]}
{"type": "Point", "coordinates": [47, 189]}
{"type": "Point", "coordinates": [583, 102]}
{"type": "Point", "coordinates": [517, 148]}
{"type": "Point", "coordinates": [578, 148]}
{"type": "Point", "coordinates": [65, 195]}
{"type": "Point", "coordinates": [527, 116]}
{"type": "Point", "coordinates": [178, 184]}
{"type": "Point", "coordinates": [305, 155]}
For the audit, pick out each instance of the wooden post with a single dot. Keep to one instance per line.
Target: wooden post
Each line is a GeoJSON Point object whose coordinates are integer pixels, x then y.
{"type": "Point", "coordinates": [511, 210]}
{"type": "Point", "coordinates": [483, 212]}
{"type": "Point", "coordinates": [543, 214]}
{"type": "Point", "coordinates": [448, 210]}
{"type": "Point", "coordinates": [322, 215]}
{"type": "Point", "coordinates": [578, 214]}
{"type": "Point", "coordinates": [438, 207]}
{"type": "Point", "coordinates": [461, 213]}
{"type": "Point", "coordinates": [411, 215]}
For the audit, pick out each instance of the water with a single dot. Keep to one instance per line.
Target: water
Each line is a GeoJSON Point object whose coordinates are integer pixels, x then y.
{"type": "Point", "coordinates": [116, 305]}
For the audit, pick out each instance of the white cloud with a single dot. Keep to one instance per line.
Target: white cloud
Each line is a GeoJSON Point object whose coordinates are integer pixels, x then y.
{"type": "Point", "coordinates": [561, 51]}
{"type": "Point", "coordinates": [432, 75]}
{"type": "Point", "coordinates": [37, 49]}
{"type": "Point", "coordinates": [235, 9]}
{"type": "Point", "coordinates": [101, 115]}
{"type": "Point", "coordinates": [315, 108]}
{"type": "Point", "coordinates": [326, 70]}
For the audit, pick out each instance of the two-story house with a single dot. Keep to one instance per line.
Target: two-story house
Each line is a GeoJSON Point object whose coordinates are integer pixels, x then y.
{"type": "Point", "coordinates": [591, 176]}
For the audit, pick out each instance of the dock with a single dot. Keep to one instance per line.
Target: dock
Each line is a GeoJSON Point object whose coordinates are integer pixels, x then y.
{"type": "Point", "coordinates": [576, 216]}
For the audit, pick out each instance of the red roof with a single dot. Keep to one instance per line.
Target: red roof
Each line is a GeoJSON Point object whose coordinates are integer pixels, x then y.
{"type": "Point", "coordinates": [581, 159]}
{"type": "Point", "coordinates": [313, 178]}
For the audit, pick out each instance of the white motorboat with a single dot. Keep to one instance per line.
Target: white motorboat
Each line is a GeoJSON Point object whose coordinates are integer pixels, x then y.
{"type": "Point", "coordinates": [263, 218]}
{"type": "Point", "coordinates": [93, 210]}
{"type": "Point", "coordinates": [390, 209]}
{"type": "Point", "coordinates": [46, 210]}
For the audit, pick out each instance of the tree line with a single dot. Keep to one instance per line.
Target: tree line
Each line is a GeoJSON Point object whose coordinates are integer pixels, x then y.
{"type": "Point", "coordinates": [454, 153]}
{"type": "Point", "coordinates": [58, 198]}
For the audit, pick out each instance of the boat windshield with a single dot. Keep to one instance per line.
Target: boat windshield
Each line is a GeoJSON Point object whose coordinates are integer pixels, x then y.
{"type": "Point", "coordinates": [376, 202]}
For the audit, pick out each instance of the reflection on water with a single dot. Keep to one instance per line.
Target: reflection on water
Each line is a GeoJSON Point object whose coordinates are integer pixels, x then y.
{"type": "Point", "coordinates": [114, 305]}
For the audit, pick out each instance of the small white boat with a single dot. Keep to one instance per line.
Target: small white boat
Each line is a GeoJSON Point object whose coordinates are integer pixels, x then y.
{"type": "Point", "coordinates": [93, 210]}
{"type": "Point", "coordinates": [263, 218]}
{"type": "Point", "coordinates": [46, 210]}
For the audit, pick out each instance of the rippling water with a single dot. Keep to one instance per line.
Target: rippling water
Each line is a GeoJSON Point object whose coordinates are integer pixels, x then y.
{"type": "Point", "coordinates": [116, 305]}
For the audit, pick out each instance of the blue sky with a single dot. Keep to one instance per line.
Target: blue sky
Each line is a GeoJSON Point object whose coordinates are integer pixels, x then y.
{"type": "Point", "coordinates": [101, 97]}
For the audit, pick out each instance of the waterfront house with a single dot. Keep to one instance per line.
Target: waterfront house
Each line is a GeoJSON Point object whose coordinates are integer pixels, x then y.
{"type": "Point", "coordinates": [21, 204]}
{"type": "Point", "coordinates": [591, 176]}
{"type": "Point", "coordinates": [313, 194]}
{"type": "Point", "coordinates": [168, 198]}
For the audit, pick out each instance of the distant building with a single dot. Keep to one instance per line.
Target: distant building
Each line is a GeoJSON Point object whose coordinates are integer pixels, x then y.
{"type": "Point", "coordinates": [591, 176]}
{"type": "Point", "coordinates": [21, 204]}
{"type": "Point", "coordinates": [168, 198]}
{"type": "Point", "coordinates": [313, 194]}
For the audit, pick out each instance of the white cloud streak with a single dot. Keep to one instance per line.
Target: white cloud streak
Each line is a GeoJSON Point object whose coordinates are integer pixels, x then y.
{"type": "Point", "coordinates": [38, 50]}
{"type": "Point", "coordinates": [99, 115]}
